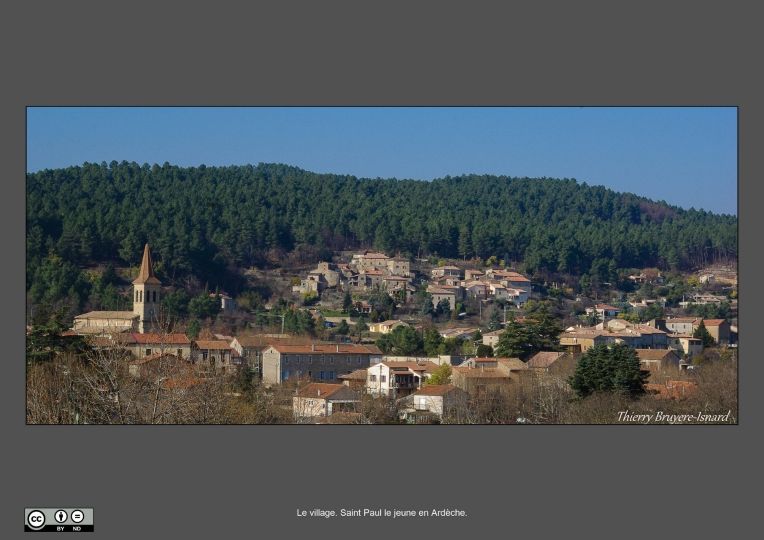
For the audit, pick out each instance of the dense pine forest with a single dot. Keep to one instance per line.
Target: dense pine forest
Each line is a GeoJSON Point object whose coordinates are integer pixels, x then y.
{"type": "Point", "coordinates": [205, 222]}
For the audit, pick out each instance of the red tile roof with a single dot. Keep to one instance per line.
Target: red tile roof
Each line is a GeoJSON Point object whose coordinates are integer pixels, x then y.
{"type": "Point", "coordinates": [435, 390]}
{"type": "Point", "coordinates": [212, 344]}
{"type": "Point", "coordinates": [544, 359]}
{"type": "Point", "coordinates": [713, 322]}
{"type": "Point", "coordinates": [154, 338]}
{"type": "Point", "coordinates": [320, 390]}
{"type": "Point", "coordinates": [325, 348]}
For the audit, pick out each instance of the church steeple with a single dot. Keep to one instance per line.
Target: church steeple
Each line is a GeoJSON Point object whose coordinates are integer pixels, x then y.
{"type": "Point", "coordinates": [146, 275]}
{"type": "Point", "coordinates": [146, 293]}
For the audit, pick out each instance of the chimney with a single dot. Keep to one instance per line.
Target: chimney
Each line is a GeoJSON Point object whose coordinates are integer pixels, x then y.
{"type": "Point", "coordinates": [318, 392]}
{"type": "Point", "coordinates": [338, 347]}
{"type": "Point", "coordinates": [313, 347]}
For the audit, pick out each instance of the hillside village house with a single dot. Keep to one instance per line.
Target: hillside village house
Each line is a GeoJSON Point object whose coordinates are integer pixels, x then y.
{"type": "Point", "coordinates": [681, 325]}
{"type": "Point", "coordinates": [385, 327]}
{"type": "Point", "coordinates": [314, 283]}
{"type": "Point", "coordinates": [549, 362]}
{"type": "Point", "coordinates": [323, 399]}
{"type": "Point", "coordinates": [397, 379]}
{"type": "Point", "coordinates": [476, 381]}
{"type": "Point", "coordinates": [432, 402]}
{"type": "Point", "coordinates": [719, 329]}
{"type": "Point", "coordinates": [637, 336]}
{"type": "Point", "coordinates": [355, 379]}
{"type": "Point", "coordinates": [152, 343]}
{"type": "Point", "coordinates": [473, 275]}
{"type": "Point", "coordinates": [702, 299]}
{"type": "Point", "coordinates": [450, 271]}
{"type": "Point", "coordinates": [476, 289]}
{"type": "Point", "coordinates": [438, 294]}
{"type": "Point", "coordinates": [250, 348]}
{"type": "Point", "coordinates": [216, 355]}
{"type": "Point", "coordinates": [492, 338]}
{"type": "Point", "coordinates": [375, 261]}
{"type": "Point", "coordinates": [509, 278]}
{"type": "Point", "coordinates": [147, 296]}
{"type": "Point", "coordinates": [317, 361]}
{"type": "Point", "coordinates": [604, 311]}
{"type": "Point", "coordinates": [657, 359]}
{"type": "Point", "coordinates": [685, 344]}
{"type": "Point", "coordinates": [460, 333]}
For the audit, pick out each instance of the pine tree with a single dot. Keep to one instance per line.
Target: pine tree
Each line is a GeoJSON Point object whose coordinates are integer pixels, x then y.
{"type": "Point", "coordinates": [701, 332]}
{"type": "Point", "coordinates": [609, 369]}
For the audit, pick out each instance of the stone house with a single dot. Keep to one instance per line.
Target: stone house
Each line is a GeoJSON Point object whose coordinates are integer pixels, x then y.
{"type": "Point", "coordinates": [152, 343]}
{"type": "Point", "coordinates": [506, 377]}
{"type": "Point", "coordinates": [432, 402]}
{"type": "Point", "coordinates": [215, 355]}
{"type": "Point", "coordinates": [397, 378]}
{"type": "Point", "coordinates": [323, 399]}
{"type": "Point", "coordinates": [316, 361]}
{"type": "Point", "coordinates": [657, 359]}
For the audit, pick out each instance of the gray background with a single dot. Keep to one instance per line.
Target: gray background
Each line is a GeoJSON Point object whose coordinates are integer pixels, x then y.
{"type": "Point", "coordinates": [601, 482]}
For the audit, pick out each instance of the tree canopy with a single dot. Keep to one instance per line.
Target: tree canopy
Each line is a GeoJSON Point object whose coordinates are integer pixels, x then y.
{"type": "Point", "coordinates": [202, 222]}
{"type": "Point", "coordinates": [609, 369]}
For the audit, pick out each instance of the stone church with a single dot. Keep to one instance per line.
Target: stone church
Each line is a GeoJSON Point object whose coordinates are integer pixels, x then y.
{"type": "Point", "coordinates": [144, 316]}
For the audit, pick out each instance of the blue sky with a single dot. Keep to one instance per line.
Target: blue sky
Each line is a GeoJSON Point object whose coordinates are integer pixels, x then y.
{"type": "Point", "coordinates": [686, 156]}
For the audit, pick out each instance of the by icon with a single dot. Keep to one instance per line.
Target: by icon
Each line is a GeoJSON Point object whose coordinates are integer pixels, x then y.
{"type": "Point", "coordinates": [36, 519]}
{"type": "Point", "coordinates": [60, 516]}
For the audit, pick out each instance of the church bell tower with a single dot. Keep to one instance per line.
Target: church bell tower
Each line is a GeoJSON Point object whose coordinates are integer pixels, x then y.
{"type": "Point", "coordinates": [146, 294]}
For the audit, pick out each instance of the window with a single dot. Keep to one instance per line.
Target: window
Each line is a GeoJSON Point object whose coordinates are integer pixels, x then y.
{"type": "Point", "coordinates": [332, 375]}
{"type": "Point", "coordinates": [331, 359]}
{"type": "Point", "coordinates": [373, 378]}
{"type": "Point", "coordinates": [383, 378]}
{"type": "Point", "coordinates": [204, 355]}
{"type": "Point", "coordinates": [180, 353]}
{"type": "Point", "coordinates": [359, 360]}
{"type": "Point", "coordinates": [321, 376]}
{"type": "Point", "coordinates": [148, 352]}
{"type": "Point", "coordinates": [154, 296]}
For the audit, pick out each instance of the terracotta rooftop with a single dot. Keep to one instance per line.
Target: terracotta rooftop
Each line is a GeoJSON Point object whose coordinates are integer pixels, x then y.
{"type": "Point", "coordinates": [325, 348]}
{"type": "Point", "coordinates": [163, 339]}
{"type": "Point", "coordinates": [481, 373]}
{"type": "Point", "coordinates": [435, 390]}
{"type": "Point", "coordinates": [262, 342]}
{"type": "Point", "coordinates": [373, 255]}
{"type": "Point", "coordinates": [427, 367]}
{"type": "Point", "coordinates": [713, 322]}
{"type": "Point", "coordinates": [212, 344]}
{"type": "Point", "coordinates": [608, 307]}
{"type": "Point", "coordinates": [322, 390]}
{"type": "Point", "coordinates": [357, 375]}
{"type": "Point", "coordinates": [544, 359]}
{"type": "Point", "coordinates": [146, 274]}
{"type": "Point", "coordinates": [123, 315]}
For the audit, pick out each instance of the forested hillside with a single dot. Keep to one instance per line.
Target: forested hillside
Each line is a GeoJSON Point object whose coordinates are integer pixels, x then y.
{"type": "Point", "coordinates": [202, 221]}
